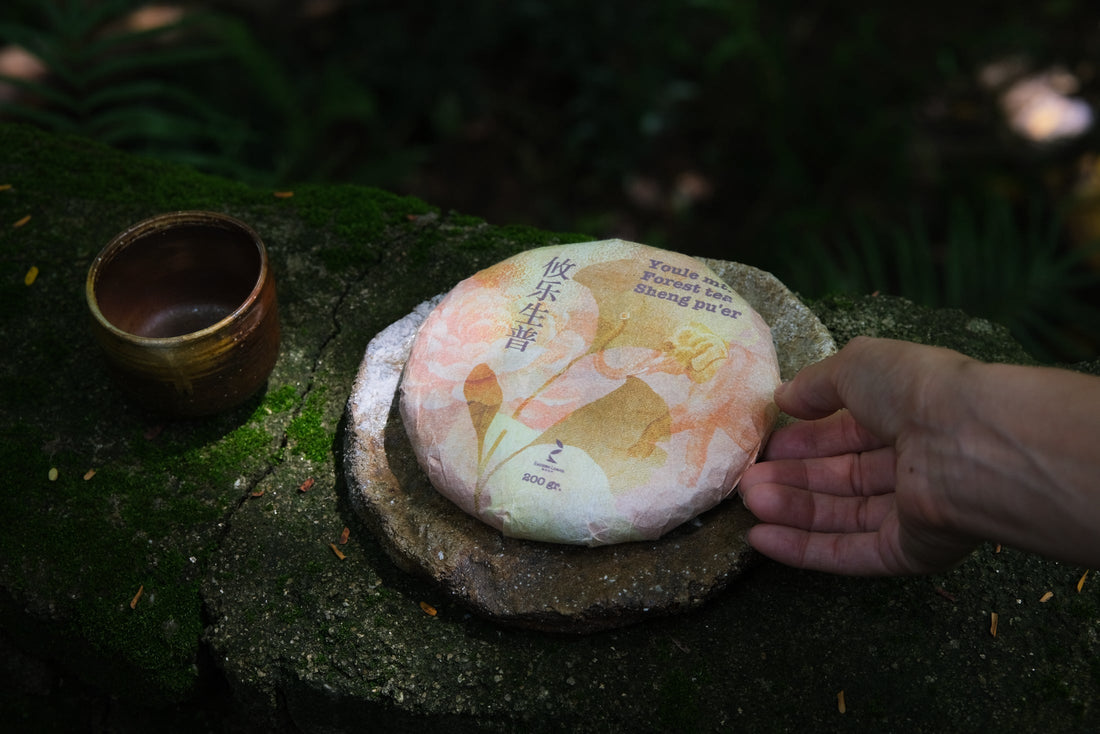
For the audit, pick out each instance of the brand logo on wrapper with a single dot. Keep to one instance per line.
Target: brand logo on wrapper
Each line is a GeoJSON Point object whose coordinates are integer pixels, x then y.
{"type": "Point", "coordinates": [550, 464]}
{"type": "Point", "coordinates": [555, 452]}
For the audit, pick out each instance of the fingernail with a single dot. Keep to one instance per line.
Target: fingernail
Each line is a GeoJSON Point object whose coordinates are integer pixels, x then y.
{"type": "Point", "coordinates": [781, 389]}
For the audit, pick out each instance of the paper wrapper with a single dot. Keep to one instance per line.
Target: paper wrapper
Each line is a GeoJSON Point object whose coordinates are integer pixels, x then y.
{"type": "Point", "coordinates": [590, 394]}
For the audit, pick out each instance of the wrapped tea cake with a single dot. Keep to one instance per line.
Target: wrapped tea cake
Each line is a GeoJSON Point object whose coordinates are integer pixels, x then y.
{"type": "Point", "coordinates": [589, 394]}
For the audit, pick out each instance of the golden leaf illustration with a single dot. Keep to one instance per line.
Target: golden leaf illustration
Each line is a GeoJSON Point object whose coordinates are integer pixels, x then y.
{"type": "Point", "coordinates": [627, 320]}
{"type": "Point", "coordinates": [658, 430]}
{"type": "Point", "coordinates": [619, 431]}
{"type": "Point", "coordinates": [483, 400]}
{"type": "Point", "coordinates": [612, 284]}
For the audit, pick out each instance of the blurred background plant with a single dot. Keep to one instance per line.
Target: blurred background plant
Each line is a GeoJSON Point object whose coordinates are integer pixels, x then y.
{"type": "Point", "coordinates": [940, 151]}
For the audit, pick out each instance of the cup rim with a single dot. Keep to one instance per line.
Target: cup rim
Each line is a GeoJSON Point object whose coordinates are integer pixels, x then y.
{"type": "Point", "coordinates": [133, 233]}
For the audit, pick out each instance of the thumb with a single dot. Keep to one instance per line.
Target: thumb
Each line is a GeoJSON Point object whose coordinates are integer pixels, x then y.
{"type": "Point", "coordinates": [880, 381]}
{"type": "Point", "coordinates": [813, 392]}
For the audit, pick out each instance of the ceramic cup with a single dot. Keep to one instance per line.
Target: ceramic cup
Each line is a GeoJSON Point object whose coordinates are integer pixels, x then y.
{"type": "Point", "coordinates": [183, 305]}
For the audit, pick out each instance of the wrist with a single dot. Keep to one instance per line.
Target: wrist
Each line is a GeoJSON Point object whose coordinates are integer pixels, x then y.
{"type": "Point", "coordinates": [1024, 469]}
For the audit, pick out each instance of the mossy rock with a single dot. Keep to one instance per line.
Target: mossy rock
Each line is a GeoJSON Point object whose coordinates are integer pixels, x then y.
{"type": "Point", "coordinates": [254, 615]}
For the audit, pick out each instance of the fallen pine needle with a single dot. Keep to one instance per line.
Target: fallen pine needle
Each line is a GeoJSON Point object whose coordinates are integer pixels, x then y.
{"type": "Point", "coordinates": [428, 609]}
{"type": "Point", "coordinates": [306, 485]}
{"type": "Point", "coordinates": [993, 623]}
{"type": "Point", "coordinates": [946, 594]}
{"type": "Point", "coordinates": [5, 187]}
{"type": "Point", "coordinates": [840, 702]}
{"type": "Point", "coordinates": [283, 194]}
{"type": "Point", "coordinates": [1081, 581]}
{"type": "Point", "coordinates": [134, 601]}
{"type": "Point", "coordinates": [29, 278]}
{"type": "Point", "coordinates": [258, 493]}
{"type": "Point", "coordinates": [1046, 597]}
{"type": "Point", "coordinates": [22, 221]}
{"type": "Point", "coordinates": [89, 474]}
{"type": "Point", "coordinates": [336, 550]}
{"type": "Point", "coordinates": [997, 549]}
{"type": "Point", "coordinates": [344, 536]}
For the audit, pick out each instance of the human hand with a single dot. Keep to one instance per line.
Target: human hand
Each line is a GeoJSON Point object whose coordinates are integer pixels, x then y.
{"type": "Point", "coordinates": [864, 485]}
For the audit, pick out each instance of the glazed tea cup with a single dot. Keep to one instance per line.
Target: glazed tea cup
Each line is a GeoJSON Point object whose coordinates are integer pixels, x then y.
{"type": "Point", "coordinates": [183, 305]}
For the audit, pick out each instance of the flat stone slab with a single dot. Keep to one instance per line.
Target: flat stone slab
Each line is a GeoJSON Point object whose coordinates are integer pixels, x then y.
{"type": "Point", "coordinates": [547, 586]}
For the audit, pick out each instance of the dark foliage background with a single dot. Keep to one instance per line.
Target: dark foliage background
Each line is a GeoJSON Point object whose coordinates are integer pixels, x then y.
{"type": "Point", "coordinates": [848, 148]}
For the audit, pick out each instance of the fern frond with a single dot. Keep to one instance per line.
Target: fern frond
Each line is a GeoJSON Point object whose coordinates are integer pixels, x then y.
{"type": "Point", "coordinates": [72, 20]}
{"type": "Point", "coordinates": [44, 118]}
{"type": "Point", "coordinates": [214, 163]}
{"type": "Point", "coordinates": [118, 42]}
{"type": "Point", "coordinates": [152, 91]}
{"type": "Point", "coordinates": [110, 68]}
{"type": "Point", "coordinates": [47, 92]}
{"type": "Point", "coordinates": [870, 253]}
{"type": "Point", "coordinates": [262, 69]}
{"type": "Point", "coordinates": [141, 122]}
{"type": "Point", "coordinates": [918, 273]}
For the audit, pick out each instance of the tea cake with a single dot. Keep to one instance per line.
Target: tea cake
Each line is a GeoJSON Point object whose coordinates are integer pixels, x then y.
{"type": "Point", "coordinates": [589, 393]}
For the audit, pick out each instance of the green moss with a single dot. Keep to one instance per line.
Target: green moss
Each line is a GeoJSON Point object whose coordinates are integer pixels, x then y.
{"type": "Point", "coordinates": [359, 215]}
{"type": "Point", "coordinates": [245, 449]}
{"type": "Point", "coordinates": [289, 614]}
{"type": "Point", "coordinates": [307, 433]}
{"type": "Point", "coordinates": [487, 238]}
{"type": "Point", "coordinates": [464, 220]}
{"type": "Point", "coordinates": [493, 242]}
{"type": "Point", "coordinates": [279, 401]}
{"type": "Point", "coordinates": [81, 551]}
{"type": "Point", "coordinates": [162, 627]}
{"type": "Point", "coordinates": [146, 519]}
{"type": "Point", "coordinates": [70, 166]}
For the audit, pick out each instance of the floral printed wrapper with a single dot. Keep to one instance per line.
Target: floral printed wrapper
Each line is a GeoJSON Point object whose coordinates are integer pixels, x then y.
{"type": "Point", "coordinates": [591, 393]}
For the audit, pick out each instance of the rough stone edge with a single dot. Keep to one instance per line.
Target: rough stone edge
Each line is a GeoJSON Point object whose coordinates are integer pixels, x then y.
{"type": "Point", "coordinates": [790, 319]}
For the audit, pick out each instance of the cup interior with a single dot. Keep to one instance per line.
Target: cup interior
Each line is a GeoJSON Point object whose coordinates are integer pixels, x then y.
{"type": "Point", "coordinates": [177, 280]}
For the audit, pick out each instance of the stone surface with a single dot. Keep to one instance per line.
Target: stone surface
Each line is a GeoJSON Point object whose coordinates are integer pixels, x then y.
{"type": "Point", "coordinates": [795, 328]}
{"type": "Point", "coordinates": [540, 585]}
{"type": "Point", "coordinates": [249, 621]}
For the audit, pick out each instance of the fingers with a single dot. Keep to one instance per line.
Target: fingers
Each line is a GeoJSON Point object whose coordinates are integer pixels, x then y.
{"type": "Point", "coordinates": [831, 514]}
{"type": "Point", "coordinates": [784, 505]}
{"type": "Point", "coordinates": [826, 494]}
{"type": "Point", "coordinates": [837, 434]}
{"type": "Point", "coordinates": [886, 552]}
{"type": "Point", "coordinates": [858, 475]}
{"type": "Point", "coordinates": [818, 389]}
{"type": "Point", "coordinates": [847, 535]}
{"type": "Point", "coordinates": [883, 383]}
{"type": "Point", "coordinates": [855, 555]}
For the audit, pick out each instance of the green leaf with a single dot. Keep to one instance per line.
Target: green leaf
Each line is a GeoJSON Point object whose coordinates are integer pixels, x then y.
{"type": "Point", "coordinates": [143, 62]}
{"type": "Point", "coordinates": [143, 123]}
{"type": "Point", "coordinates": [39, 116]}
{"type": "Point", "coordinates": [116, 42]}
{"type": "Point", "coordinates": [45, 91]}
